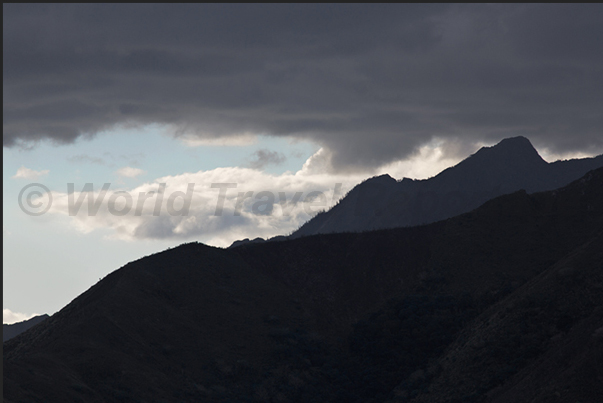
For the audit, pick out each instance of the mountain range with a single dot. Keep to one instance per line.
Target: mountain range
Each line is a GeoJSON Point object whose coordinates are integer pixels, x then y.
{"type": "Point", "coordinates": [499, 304]}
{"type": "Point", "coordinates": [383, 202]}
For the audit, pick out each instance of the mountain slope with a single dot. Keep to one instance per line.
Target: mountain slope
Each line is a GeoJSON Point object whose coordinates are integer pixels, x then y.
{"type": "Point", "coordinates": [167, 326]}
{"type": "Point", "coordinates": [543, 343]}
{"type": "Point", "coordinates": [330, 318]}
{"type": "Point", "coordinates": [382, 202]}
{"type": "Point", "coordinates": [10, 331]}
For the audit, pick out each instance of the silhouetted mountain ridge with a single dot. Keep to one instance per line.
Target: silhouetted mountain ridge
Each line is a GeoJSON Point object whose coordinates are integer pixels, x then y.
{"type": "Point", "coordinates": [382, 202]}
{"type": "Point", "coordinates": [11, 330]}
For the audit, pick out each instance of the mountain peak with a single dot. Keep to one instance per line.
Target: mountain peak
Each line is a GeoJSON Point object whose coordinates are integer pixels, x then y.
{"type": "Point", "coordinates": [518, 143]}
{"type": "Point", "coordinates": [517, 140]}
{"type": "Point", "coordinates": [382, 179]}
{"type": "Point", "coordinates": [512, 150]}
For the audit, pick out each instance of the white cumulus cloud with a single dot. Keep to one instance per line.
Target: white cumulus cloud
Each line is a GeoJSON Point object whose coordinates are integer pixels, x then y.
{"type": "Point", "coordinates": [189, 206]}
{"type": "Point", "coordinates": [9, 316]}
{"type": "Point", "coordinates": [26, 173]}
{"type": "Point", "coordinates": [129, 172]}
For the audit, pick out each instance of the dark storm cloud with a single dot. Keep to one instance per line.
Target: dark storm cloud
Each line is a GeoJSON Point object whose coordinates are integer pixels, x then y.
{"type": "Point", "coordinates": [370, 83]}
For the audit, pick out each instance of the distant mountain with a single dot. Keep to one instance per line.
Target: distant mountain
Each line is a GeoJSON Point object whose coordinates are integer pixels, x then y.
{"type": "Point", "coordinates": [246, 241]}
{"type": "Point", "coordinates": [10, 331]}
{"type": "Point", "coordinates": [501, 304]}
{"type": "Point", "coordinates": [382, 202]}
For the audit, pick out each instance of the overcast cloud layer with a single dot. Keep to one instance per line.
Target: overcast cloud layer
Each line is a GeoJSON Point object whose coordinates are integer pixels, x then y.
{"type": "Point", "coordinates": [369, 83]}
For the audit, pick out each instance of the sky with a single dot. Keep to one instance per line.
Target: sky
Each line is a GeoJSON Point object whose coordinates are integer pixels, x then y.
{"type": "Point", "coordinates": [214, 123]}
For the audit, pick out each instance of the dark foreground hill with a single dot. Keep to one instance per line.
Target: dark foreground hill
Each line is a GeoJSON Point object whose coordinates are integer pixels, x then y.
{"type": "Point", "coordinates": [382, 202]}
{"type": "Point", "coordinates": [499, 304]}
{"type": "Point", "coordinates": [543, 343]}
{"type": "Point", "coordinates": [11, 330]}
